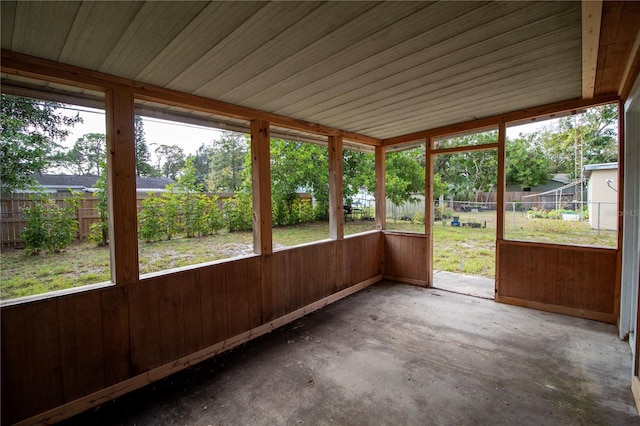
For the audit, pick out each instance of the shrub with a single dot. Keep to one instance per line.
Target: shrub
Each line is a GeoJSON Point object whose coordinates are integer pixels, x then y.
{"type": "Point", "coordinates": [211, 220]}
{"type": "Point", "coordinates": [238, 212]}
{"type": "Point", "coordinates": [48, 226]}
{"type": "Point", "coordinates": [150, 218]}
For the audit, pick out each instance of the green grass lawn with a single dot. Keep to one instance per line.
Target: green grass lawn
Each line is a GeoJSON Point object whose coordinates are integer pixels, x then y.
{"type": "Point", "coordinates": [466, 250]}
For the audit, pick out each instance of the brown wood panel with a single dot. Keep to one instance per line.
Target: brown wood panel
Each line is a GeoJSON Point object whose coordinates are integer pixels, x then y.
{"type": "Point", "coordinates": [306, 275]}
{"type": "Point", "coordinates": [255, 291]}
{"type": "Point", "coordinates": [321, 260]}
{"type": "Point", "coordinates": [145, 328]}
{"type": "Point", "coordinates": [566, 280]}
{"type": "Point", "coordinates": [584, 273]}
{"type": "Point", "coordinates": [192, 312]}
{"type": "Point", "coordinates": [275, 285]}
{"type": "Point", "coordinates": [297, 277]}
{"type": "Point", "coordinates": [237, 285]}
{"type": "Point", "coordinates": [115, 334]}
{"type": "Point", "coordinates": [405, 256]}
{"type": "Point", "coordinates": [31, 363]}
{"type": "Point", "coordinates": [340, 282]}
{"type": "Point", "coordinates": [605, 269]}
{"type": "Point", "coordinates": [81, 348]}
{"type": "Point", "coordinates": [573, 280]}
{"type": "Point", "coordinates": [543, 275]}
{"type": "Point", "coordinates": [519, 268]}
{"type": "Point", "coordinates": [213, 304]}
{"type": "Point", "coordinates": [170, 310]}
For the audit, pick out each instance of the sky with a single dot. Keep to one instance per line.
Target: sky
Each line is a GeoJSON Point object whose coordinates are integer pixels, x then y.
{"type": "Point", "coordinates": [158, 132]}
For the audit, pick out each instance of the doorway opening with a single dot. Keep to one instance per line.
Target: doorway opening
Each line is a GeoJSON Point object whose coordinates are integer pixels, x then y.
{"type": "Point", "coordinates": [465, 219]}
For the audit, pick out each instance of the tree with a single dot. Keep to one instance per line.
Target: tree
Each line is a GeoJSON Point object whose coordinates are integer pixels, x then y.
{"type": "Point", "coordinates": [202, 163]}
{"type": "Point", "coordinates": [170, 160]}
{"type": "Point", "coordinates": [143, 157]}
{"type": "Point", "coordinates": [467, 173]}
{"type": "Point", "coordinates": [526, 163]}
{"type": "Point", "coordinates": [587, 138]}
{"type": "Point", "coordinates": [404, 176]}
{"type": "Point", "coordinates": [358, 173]}
{"type": "Point", "coordinates": [227, 162]}
{"type": "Point", "coordinates": [296, 167]}
{"type": "Point", "coordinates": [29, 129]}
{"type": "Point", "coordinates": [86, 154]}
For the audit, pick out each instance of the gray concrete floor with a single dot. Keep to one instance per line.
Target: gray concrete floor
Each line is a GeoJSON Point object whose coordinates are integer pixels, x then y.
{"type": "Point", "coordinates": [396, 354]}
{"type": "Point", "coordinates": [464, 284]}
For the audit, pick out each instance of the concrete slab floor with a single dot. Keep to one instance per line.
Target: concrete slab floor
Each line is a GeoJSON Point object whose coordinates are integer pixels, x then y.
{"type": "Point", "coordinates": [470, 285]}
{"type": "Point", "coordinates": [397, 354]}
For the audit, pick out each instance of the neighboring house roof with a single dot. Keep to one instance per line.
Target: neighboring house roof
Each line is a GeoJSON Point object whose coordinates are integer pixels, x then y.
{"type": "Point", "coordinates": [64, 182]}
{"type": "Point", "coordinates": [557, 181]}
{"type": "Point", "coordinates": [601, 166]}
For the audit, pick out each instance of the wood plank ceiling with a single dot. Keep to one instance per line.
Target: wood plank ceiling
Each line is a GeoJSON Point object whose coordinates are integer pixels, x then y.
{"type": "Point", "coordinates": [382, 69]}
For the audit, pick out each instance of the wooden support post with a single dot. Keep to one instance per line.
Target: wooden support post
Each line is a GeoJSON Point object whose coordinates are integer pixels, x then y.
{"type": "Point", "coordinates": [501, 187]}
{"type": "Point", "coordinates": [501, 183]}
{"type": "Point", "coordinates": [336, 212]}
{"type": "Point", "coordinates": [621, 207]}
{"type": "Point", "coordinates": [381, 197]}
{"type": "Point", "coordinates": [121, 186]}
{"type": "Point", "coordinates": [428, 209]}
{"type": "Point", "coordinates": [261, 179]}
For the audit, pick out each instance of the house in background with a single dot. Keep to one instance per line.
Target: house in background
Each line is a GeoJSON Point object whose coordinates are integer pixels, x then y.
{"type": "Point", "coordinates": [602, 195]}
{"type": "Point", "coordinates": [64, 183]}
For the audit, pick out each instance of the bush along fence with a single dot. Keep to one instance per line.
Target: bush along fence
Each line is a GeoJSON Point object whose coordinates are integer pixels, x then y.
{"type": "Point", "coordinates": [161, 216]}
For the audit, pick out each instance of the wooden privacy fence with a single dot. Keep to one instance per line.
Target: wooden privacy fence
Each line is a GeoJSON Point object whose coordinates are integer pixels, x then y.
{"type": "Point", "coordinates": [12, 221]}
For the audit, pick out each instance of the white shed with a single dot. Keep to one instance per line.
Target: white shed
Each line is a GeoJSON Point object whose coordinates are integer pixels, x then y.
{"type": "Point", "coordinates": [603, 195]}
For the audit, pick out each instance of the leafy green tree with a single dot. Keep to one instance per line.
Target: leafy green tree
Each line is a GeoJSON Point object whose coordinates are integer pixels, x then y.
{"type": "Point", "coordinates": [404, 176]}
{"type": "Point", "coordinates": [227, 162]}
{"type": "Point", "coordinates": [29, 129]}
{"type": "Point", "coordinates": [143, 157]}
{"type": "Point", "coordinates": [202, 162]}
{"type": "Point", "coordinates": [526, 163]}
{"type": "Point", "coordinates": [86, 154]}
{"type": "Point", "coordinates": [358, 173]}
{"type": "Point", "coordinates": [591, 135]}
{"type": "Point", "coordinates": [298, 167]}
{"type": "Point", "coordinates": [467, 173]}
{"type": "Point", "coordinates": [171, 159]}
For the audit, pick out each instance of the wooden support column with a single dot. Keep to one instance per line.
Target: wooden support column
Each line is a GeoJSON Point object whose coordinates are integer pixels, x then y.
{"type": "Point", "coordinates": [428, 209]}
{"type": "Point", "coordinates": [261, 179]}
{"type": "Point", "coordinates": [121, 186]}
{"type": "Point", "coordinates": [501, 187]}
{"type": "Point", "coordinates": [336, 213]}
{"type": "Point", "coordinates": [381, 194]}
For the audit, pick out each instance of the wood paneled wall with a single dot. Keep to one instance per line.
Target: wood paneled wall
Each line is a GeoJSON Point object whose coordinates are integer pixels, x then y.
{"type": "Point", "coordinates": [112, 340]}
{"type": "Point", "coordinates": [405, 258]}
{"type": "Point", "coordinates": [578, 281]}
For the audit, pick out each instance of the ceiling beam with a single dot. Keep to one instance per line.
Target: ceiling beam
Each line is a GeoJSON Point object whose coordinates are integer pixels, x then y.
{"type": "Point", "coordinates": [591, 21]}
{"type": "Point", "coordinates": [518, 116]}
{"type": "Point", "coordinates": [631, 69]}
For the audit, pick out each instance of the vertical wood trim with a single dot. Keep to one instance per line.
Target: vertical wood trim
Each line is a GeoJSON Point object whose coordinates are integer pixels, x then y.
{"type": "Point", "coordinates": [336, 215]}
{"type": "Point", "coordinates": [261, 178]}
{"type": "Point", "coordinates": [618, 290]}
{"type": "Point", "coordinates": [501, 184]}
{"type": "Point", "coordinates": [428, 207]}
{"type": "Point", "coordinates": [381, 194]}
{"type": "Point", "coordinates": [121, 186]}
{"type": "Point", "coordinates": [591, 17]}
